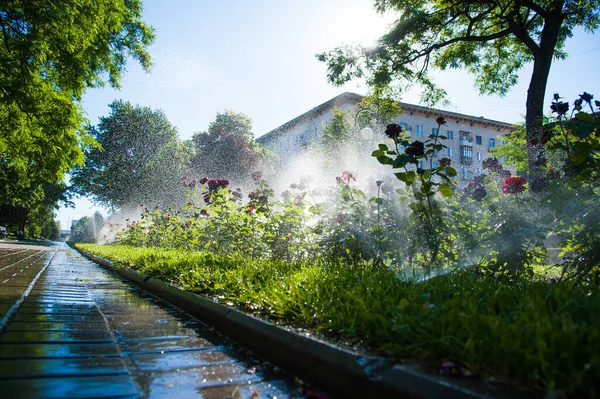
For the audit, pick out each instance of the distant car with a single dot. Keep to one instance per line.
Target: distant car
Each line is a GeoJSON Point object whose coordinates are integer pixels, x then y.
{"type": "Point", "coordinates": [3, 232]}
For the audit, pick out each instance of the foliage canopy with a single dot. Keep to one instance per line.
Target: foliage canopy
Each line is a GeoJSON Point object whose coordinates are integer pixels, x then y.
{"type": "Point", "coordinates": [141, 160]}
{"type": "Point", "coordinates": [50, 52]}
{"type": "Point", "coordinates": [227, 149]}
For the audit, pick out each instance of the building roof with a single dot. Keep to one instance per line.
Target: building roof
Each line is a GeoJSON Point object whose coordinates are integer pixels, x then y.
{"type": "Point", "coordinates": [456, 117]}
{"type": "Point", "coordinates": [353, 98]}
{"type": "Point", "coordinates": [344, 98]}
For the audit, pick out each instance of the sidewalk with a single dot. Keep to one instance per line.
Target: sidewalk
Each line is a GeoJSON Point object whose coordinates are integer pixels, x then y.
{"type": "Point", "coordinates": [82, 332]}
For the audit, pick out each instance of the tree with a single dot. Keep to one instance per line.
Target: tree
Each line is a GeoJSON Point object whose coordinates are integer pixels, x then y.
{"type": "Point", "coordinates": [141, 160]}
{"type": "Point", "coordinates": [339, 130]}
{"type": "Point", "coordinates": [228, 149]}
{"type": "Point", "coordinates": [28, 204]}
{"type": "Point", "coordinates": [50, 53]}
{"type": "Point", "coordinates": [88, 229]}
{"type": "Point", "coordinates": [491, 39]}
{"type": "Point", "coordinates": [233, 122]}
{"type": "Point", "coordinates": [514, 151]}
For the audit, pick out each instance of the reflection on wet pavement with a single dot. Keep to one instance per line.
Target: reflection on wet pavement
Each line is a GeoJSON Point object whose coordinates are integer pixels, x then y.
{"type": "Point", "coordinates": [82, 332]}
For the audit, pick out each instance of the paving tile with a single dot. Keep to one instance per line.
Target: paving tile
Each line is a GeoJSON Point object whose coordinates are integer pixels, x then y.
{"type": "Point", "coordinates": [180, 360]}
{"type": "Point", "coordinates": [164, 344]}
{"type": "Point", "coordinates": [279, 389]}
{"type": "Point", "coordinates": [112, 386]}
{"type": "Point", "coordinates": [37, 368]}
{"type": "Point", "coordinates": [52, 317]}
{"type": "Point", "coordinates": [80, 336]}
{"type": "Point", "coordinates": [40, 350]}
{"type": "Point", "coordinates": [54, 326]}
{"type": "Point", "coordinates": [187, 382]}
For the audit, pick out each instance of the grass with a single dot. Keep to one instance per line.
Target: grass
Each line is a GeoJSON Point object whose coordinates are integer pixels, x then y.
{"type": "Point", "coordinates": [532, 334]}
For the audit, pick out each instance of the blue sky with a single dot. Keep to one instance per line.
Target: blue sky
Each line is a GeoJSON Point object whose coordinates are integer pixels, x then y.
{"type": "Point", "coordinates": [258, 57]}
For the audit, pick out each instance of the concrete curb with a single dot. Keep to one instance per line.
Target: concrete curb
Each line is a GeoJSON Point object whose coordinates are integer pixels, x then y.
{"type": "Point", "coordinates": [335, 370]}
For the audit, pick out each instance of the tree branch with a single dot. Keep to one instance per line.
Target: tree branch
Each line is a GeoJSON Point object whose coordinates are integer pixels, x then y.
{"type": "Point", "coordinates": [535, 8]}
{"type": "Point", "coordinates": [521, 33]}
{"type": "Point", "coordinates": [467, 38]}
{"type": "Point", "coordinates": [4, 34]}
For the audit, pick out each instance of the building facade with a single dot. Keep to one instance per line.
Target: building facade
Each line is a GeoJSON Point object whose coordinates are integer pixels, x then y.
{"type": "Point", "coordinates": [469, 138]}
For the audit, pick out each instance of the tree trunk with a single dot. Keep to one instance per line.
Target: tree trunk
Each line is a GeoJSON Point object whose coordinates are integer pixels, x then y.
{"type": "Point", "coordinates": [534, 119]}
{"type": "Point", "coordinates": [534, 116]}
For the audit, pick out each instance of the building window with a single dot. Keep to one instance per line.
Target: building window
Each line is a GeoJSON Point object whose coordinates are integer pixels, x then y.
{"type": "Point", "coordinates": [478, 140]}
{"type": "Point", "coordinates": [465, 173]}
{"type": "Point", "coordinates": [465, 136]}
{"type": "Point", "coordinates": [503, 142]}
{"type": "Point", "coordinates": [466, 155]}
{"type": "Point", "coordinates": [303, 140]}
{"type": "Point", "coordinates": [404, 127]}
{"type": "Point", "coordinates": [492, 143]}
{"type": "Point", "coordinates": [450, 135]}
{"type": "Point", "coordinates": [436, 164]}
{"type": "Point", "coordinates": [419, 130]}
{"type": "Point", "coordinates": [478, 156]}
{"type": "Point", "coordinates": [450, 152]}
{"type": "Point", "coordinates": [435, 131]}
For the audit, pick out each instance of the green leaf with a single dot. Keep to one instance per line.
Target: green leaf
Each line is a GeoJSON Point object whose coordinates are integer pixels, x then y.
{"type": "Point", "coordinates": [401, 161]}
{"type": "Point", "coordinates": [426, 187]}
{"type": "Point", "coordinates": [585, 117]}
{"type": "Point", "coordinates": [445, 190]}
{"type": "Point", "coordinates": [584, 130]}
{"type": "Point", "coordinates": [401, 176]}
{"type": "Point", "coordinates": [315, 210]}
{"type": "Point", "coordinates": [582, 153]}
{"type": "Point", "coordinates": [383, 147]}
{"type": "Point", "coordinates": [384, 160]}
{"type": "Point", "coordinates": [450, 171]}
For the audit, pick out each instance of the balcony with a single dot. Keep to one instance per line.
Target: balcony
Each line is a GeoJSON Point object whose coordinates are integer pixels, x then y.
{"type": "Point", "coordinates": [466, 142]}
{"type": "Point", "coordinates": [466, 160]}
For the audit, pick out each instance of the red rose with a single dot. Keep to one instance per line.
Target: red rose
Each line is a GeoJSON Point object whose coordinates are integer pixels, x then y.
{"type": "Point", "coordinates": [393, 131]}
{"type": "Point", "coordinates": [416, 148]}
{"type": "Point", "coordinates": [514, 185]}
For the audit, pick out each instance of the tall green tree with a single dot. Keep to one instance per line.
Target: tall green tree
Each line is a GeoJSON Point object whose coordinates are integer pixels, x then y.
{"type": "Point", "coordinates": [88, 229]}
{"type": "Point", "coordinates": [233, 122]}
{"type": "Point", "coordinates": [50, 53]}
{"type": "Point", "coordinates": [490, 39]}
{"type": "Point", "coordinates": [228, 149]}
{"type": "Point", "coordinates": [141, 160]}
{"type": "Point", "coordinates": [33, 205]}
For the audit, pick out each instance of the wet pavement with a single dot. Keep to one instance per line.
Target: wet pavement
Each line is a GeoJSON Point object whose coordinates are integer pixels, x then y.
{"type": "Point", "coordinates": [82, 332]}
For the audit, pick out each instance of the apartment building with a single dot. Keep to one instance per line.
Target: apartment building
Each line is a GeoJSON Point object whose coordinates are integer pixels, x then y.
{"type": "Point", "coordinates": [469, 138]}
